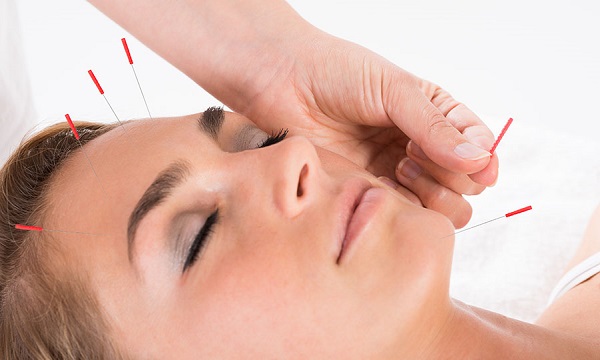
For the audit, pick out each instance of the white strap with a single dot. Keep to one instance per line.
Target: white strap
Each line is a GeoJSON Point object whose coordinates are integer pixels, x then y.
{"type": "Point", "coordinates": [580, 273]}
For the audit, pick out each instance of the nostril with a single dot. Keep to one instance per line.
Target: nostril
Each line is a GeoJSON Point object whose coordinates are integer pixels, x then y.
{"type": "Point", "coordinates": [303, 174]}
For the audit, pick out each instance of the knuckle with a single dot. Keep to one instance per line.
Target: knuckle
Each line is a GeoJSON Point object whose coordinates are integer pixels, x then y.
{"type": "Point", "coordinates": [438, 198]}
{"type": "Point", "coordinates": [437, 122]}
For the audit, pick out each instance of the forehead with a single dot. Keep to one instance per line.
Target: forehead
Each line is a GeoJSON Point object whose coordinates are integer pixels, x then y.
{"type": "Point", "coordinates": [94, 191]}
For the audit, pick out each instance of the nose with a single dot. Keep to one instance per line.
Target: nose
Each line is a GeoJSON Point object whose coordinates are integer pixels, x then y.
{"type": "Point", "coordinates": [292, 169]}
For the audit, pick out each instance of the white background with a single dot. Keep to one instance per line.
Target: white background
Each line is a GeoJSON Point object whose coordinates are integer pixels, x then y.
{"type": "Point", "coordinates": [535, 61]}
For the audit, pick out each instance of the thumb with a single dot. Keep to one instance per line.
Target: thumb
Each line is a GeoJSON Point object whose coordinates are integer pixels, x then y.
{"type": "Point", "coordinates": [440, 139]}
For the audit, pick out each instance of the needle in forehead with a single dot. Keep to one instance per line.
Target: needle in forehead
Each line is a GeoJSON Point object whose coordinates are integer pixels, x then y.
{"type": "Point", "coordinates": [91, 73]}
{"type": "Point", "coordinates": [76, 134]}
{"type": "Point", "coordinates": [134, 73]}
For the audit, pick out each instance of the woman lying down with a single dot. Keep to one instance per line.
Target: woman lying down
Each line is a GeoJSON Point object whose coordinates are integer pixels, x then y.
{"type": "Point", "coordinates": [203, 238]}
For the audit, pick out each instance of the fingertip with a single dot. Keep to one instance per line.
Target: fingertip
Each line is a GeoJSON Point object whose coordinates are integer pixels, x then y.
{"type": "Point", "coordinates": [482, 141]}
{"type": "Point", "coordinates": [461, 218]}
{"type": "Point", "coordinates": [480, 135]}
{"type": "Point", "coordinates": [469, 151]}
{"type": "Point", "coordinates": [489, 175]}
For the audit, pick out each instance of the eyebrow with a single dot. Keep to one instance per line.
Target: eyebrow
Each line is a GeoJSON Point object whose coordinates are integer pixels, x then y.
{"type": "Point", "coordinates": [211, 121]}
{"type": "Point", "coordinates": [160, 189]}
{"type": "Point", "coordinates": [167, 180]}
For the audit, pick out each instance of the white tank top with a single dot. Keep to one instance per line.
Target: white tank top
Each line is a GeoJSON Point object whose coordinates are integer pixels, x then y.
{"type": "Point", "coordinates": [578, 274]}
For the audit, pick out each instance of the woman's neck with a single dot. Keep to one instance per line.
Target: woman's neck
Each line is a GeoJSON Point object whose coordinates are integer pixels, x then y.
{"type": "Point", "coordinates": [474, 333]}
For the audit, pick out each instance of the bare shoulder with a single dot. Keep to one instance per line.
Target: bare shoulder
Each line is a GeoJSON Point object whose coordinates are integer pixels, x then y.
{"type": "Point", "coordinates": [577, 310]}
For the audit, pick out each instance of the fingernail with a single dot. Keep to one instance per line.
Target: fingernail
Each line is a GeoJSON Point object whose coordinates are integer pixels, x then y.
{"type": "Point", "coordinates": [389, 182]}
{"type": "Point", "coordinates": [409, 169]}
{"type": "Point", "coordinates": [481, 141]}
{"type": "Point", "coordinates": [471, 152]}
{"type": "Point", "coordinates": [417, 151]}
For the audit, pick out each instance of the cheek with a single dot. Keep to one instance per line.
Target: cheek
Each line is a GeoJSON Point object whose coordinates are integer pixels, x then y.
{"type": "Point", "coordinates": [249, 304]}
{"type": "Point", "coordinates": [336, 164]}
{"type": "Point", "coordinates": [423, 252]}
{"type": "Point", "coordinates": [264, 287]}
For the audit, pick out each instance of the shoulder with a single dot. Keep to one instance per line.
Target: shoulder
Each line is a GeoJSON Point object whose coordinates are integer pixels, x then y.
{"type": "Point", "coordinates": [590, 244]}
{"type": "Point", "coordinates": [576, 312]}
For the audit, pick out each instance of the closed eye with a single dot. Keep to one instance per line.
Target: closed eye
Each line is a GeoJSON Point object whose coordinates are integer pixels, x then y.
{"type": "Point", "coordinates": [203, 235]}
{"type": "Point", "coordinates": [201, 239]}
{"type": "Point", "coordinates": [274, 138]}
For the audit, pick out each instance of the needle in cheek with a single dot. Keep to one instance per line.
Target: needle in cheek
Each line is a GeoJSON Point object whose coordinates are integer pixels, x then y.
{"type": "Point", "coordinates": [507, 215]}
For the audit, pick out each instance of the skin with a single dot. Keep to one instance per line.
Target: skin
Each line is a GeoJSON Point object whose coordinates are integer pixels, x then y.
{"type": "Point", "coordinates": [576, 311]}
{"type": "Point", "coordinates": [261, 59]}
{"type": "Point", "coordinates": [267, 284]}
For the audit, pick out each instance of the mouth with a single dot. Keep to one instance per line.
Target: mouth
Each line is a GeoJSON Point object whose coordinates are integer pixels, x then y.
{"type": "Point", "coordinates": [358, 207]}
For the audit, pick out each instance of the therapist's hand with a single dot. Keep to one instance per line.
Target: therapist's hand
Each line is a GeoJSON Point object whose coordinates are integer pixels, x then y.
{"type": "Point", "coordinates": [355, 103]}
{"type": "Point", "coordinates": [260, 58]}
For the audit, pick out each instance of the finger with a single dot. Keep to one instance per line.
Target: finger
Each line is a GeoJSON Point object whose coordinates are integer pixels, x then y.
{"type": "Point", "coordinates": [443, 143]}
{"type": "Point", "coordinates": [401, 189]}
{"type": "Point", "coordinates": [459, 183]}
{"type": "Point", "coordinates": [478, 133]}
{"type": "Point", "coordinates": [433, 195]}
{"type": "Point", "coordinates": [412, 110]}
{"type": "Point", "coordinates": [489, 175]}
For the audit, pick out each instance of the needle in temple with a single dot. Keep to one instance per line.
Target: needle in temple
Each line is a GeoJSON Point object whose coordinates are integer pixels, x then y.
{"type": "Point", "coordinates": [501, 135]}
{"type": "Point", "coordinates": [134, 73]}
{"type": "Point", "coordinates": [40, 229]}
{"type": "Point", "coordinates": [91, 73]}
{"type": "Point", "coordinates": [28, 227]}
{"type": "Point", "coordinates": [507, 215]}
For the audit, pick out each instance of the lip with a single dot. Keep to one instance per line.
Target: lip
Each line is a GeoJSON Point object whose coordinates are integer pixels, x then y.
{"type": "Point", "coordinates": [347, 202]}
{"type": "Point", "coordinates": [362, 214]}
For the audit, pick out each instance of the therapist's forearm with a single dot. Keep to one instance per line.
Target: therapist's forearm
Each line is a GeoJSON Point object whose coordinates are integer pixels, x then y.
{"type": "Point", "coordinates": [232, 48]}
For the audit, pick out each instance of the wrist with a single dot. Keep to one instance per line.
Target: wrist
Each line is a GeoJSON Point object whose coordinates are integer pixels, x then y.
{"type": "Point", "coordinates": [255, 52]}
{"type": "Point", "coordinates": [232, 48]}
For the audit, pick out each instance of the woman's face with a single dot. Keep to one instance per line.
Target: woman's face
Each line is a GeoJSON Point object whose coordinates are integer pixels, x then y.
{"type": "Point", "coordinates": [212, 247]}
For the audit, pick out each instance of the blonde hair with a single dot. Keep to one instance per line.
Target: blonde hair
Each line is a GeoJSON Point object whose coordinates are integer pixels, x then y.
{"type": "Point", "coordinates": [46, 311]}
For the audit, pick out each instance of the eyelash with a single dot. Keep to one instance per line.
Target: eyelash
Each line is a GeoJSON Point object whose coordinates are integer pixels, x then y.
{"type": "Point", "coordinates": [274, 139]}
{"type": "Point", "coordinates": [200, 240]}
{"type": "Point", "coordinates": [206, 230]}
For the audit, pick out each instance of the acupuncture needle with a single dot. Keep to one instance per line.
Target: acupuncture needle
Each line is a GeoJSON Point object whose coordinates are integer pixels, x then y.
{"type": "Point", "coordinates": [40, 229]}
{"type": "Point", "coordinates": [77, 137]}
{"type": "Point", "coordinates": [124, 42]}
{"type": "Point", "coordinates": [507, 215]}
{"type": "Point", "coordinates": [504, 129]}
{"type": "Point", "coordinates": [95, 80]}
